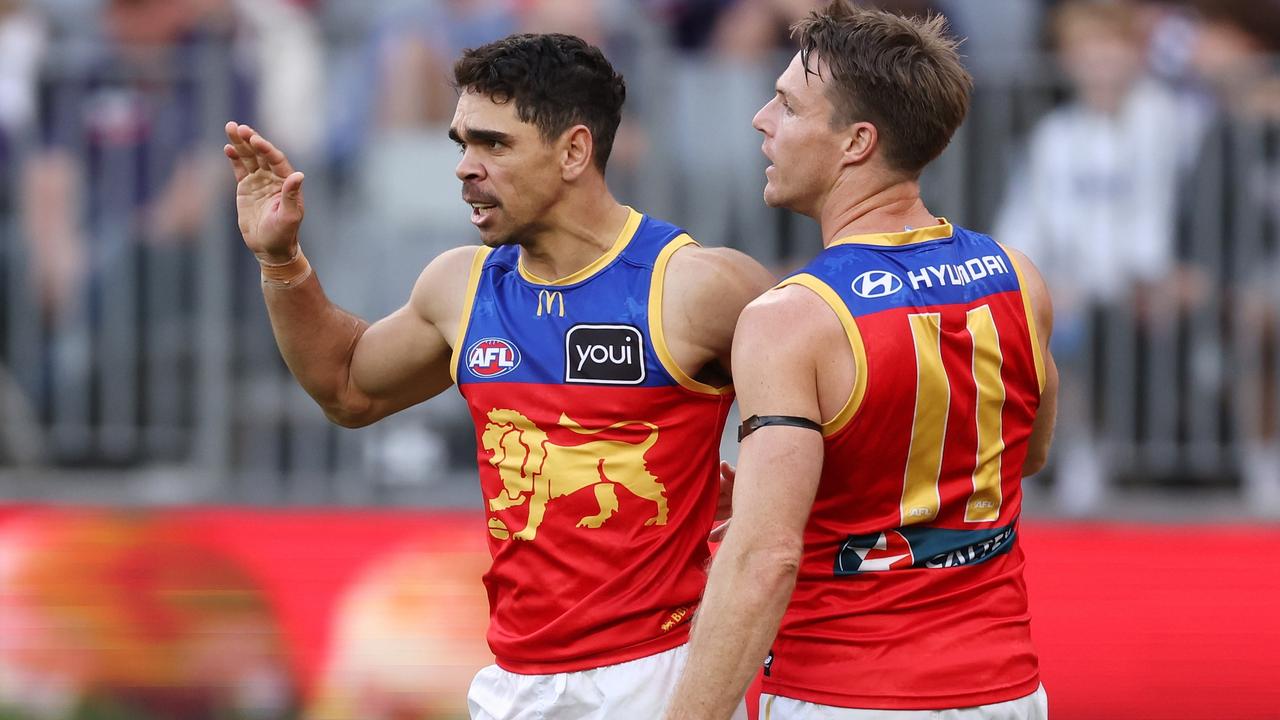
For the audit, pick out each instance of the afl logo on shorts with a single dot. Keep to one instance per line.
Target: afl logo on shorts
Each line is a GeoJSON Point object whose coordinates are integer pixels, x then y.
{"type": "Point", "coordinates": [491, 357]}
{"type": "Point", "coordinates": [876, 284]}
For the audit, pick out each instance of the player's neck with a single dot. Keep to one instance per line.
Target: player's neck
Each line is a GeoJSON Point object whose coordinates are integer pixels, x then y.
{"type": "Point", "coordinates": [578, 231]}
{"type": "Point", "coordinates": [856, 207]}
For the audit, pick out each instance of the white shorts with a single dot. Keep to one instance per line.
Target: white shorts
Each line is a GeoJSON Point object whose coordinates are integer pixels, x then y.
{"type": "Point", "coordinates": [634, 690]}
{"type": "Point", "coordinates": [1029, 707]}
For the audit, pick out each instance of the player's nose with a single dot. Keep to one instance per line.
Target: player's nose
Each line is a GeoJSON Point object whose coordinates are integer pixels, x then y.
{"type": "Point", "coordinates": [759, 121]}
{"type": "Point", "coordinates": [469, 168]}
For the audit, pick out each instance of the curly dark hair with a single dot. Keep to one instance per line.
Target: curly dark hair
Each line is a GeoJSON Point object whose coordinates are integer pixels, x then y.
{"type": "Point", "coordinates": [557, 81]}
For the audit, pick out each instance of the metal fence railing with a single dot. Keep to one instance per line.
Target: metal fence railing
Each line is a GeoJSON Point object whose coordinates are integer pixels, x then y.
{"type": "Point", "coordinates": [136, 362]}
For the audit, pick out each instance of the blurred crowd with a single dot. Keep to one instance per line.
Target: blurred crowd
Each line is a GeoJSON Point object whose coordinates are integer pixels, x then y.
{"type": "Point", "coordinates": [1131, 147]}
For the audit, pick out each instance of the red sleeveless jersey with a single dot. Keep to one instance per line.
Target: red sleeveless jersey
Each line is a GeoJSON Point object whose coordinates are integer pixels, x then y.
{"type": "Point", "coordinates": [910, 594]}
{"type": "Point", "coordinates": [598, 457]}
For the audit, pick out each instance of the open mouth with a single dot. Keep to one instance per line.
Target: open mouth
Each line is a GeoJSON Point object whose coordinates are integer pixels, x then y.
{"type": "Point", "coordinates": [482, 212]}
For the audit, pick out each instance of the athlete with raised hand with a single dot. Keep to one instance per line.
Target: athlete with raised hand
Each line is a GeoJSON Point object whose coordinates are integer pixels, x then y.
{"type": "Point", "coordinates": [592, 344]}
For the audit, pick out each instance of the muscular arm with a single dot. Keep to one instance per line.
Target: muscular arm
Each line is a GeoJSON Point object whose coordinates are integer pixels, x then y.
{"type": "Point", "coordinates": [357, 372]}
{"type": "Point", "coordinates": [1042, 309]}
{"type": "Point", "coordinates": [360, 373]}
{"type": "Point", "coordinates": [704, 292]}
{"type": "Point", "coordinates": [755, 570]}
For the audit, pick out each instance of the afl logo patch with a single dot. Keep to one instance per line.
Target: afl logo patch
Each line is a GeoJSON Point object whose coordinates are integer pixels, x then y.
{"type": "Point", "coordinates": [491, 357]}
{"type": "Point", "coordinates": [876, 284]}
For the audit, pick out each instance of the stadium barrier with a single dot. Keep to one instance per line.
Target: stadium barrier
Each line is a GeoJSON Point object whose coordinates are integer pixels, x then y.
{"type": "Point", "coordinates": [148, 373]}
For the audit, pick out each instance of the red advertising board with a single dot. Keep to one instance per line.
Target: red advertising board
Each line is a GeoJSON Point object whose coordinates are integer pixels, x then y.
{"type": "Point", "coordinates": [381, 614]}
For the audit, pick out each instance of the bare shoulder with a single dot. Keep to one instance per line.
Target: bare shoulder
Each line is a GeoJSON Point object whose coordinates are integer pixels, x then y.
{"type": "Point", "coordinates": [779, 349]}
{"type": "Point", "coordinates": [789, 320]}
{"type": "Point", "coordinates": [718, 281]}
{"type": "Point", "coordinates": [441, 288]}
{"type": "Point", "coordinates": [1036, 289]}
{"type": "Point", "coordinates": [1024, 263]}
{"type": "Point", "coordinates": [719, 269]}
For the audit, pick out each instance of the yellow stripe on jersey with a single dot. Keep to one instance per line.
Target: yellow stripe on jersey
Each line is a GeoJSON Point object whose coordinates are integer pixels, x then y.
{"type": "Point", "coordinates": [910, 237]}
{"type": "Point", "coordinates": [838, 306]}
{"type": "Point", "coordinates": [619, 244]}
{"type": "Point", "coordinates": [920, 500]}
{"type": "Point", "coordinates": [984, 503]}
{"type": "Point", "coordinates": [656, 333]}
{"type": "Point", "coordinates": [468, 301]}
{"type": "Point", "coordinates": [1036, 352]}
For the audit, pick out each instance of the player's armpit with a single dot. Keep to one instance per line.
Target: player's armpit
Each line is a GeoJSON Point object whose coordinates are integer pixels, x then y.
{"type": "Point", "coordinates": [404, 358]}
{"type": "Point", "coordinates": [705, 290]}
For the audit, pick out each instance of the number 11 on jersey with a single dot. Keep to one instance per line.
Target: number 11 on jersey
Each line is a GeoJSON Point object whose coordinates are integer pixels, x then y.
{"type": "Point", "coordinates": [920, 493]}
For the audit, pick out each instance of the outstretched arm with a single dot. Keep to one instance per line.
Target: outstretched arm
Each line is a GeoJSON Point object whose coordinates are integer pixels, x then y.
{"type": "Point", "coordinates": [775, 372]}
{"type": "Point", "coordinates": [357, 372]}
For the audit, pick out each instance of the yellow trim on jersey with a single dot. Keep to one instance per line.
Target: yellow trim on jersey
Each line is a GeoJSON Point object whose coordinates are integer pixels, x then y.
{"type": "Point", "coordinates": [1036, 352]}
{"type": "Point", "coordinates": [619, 244]}
{"type": "Point", "coordinates": [656, 333]}
{"type": "Point", "coordinates": [851, 406]}
{"type": "Point", "coordinates": [468, 300]}
{"type": "Point", "coordinates": [910, 237]}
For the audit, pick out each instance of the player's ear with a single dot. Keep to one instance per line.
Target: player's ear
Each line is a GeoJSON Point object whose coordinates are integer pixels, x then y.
{"type": "Point", "coordinates": [860, 140]}
{"type": "Point", "coordinates": [577, 146]}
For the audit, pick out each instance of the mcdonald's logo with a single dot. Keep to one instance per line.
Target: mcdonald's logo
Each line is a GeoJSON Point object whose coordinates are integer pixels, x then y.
{"type": "Point", "coordinates": [547, 300]}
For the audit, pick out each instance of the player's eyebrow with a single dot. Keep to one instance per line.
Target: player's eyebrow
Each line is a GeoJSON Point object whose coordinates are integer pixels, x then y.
{"type": "Point", "coordinates": [479, 135]}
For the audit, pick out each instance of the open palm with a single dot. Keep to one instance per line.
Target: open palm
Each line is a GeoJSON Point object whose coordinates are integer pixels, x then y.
{"type": "Point", "coordinates": [269, 202]}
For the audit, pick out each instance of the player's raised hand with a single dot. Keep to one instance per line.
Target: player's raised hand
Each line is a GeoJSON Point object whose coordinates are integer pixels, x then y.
{"type": "Point", "coordinates": [268, 194]}
{"type": "Point", "coordinates": [724, 505]}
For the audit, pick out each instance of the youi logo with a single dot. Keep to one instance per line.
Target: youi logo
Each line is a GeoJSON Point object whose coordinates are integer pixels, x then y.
{"type": "Point", "coordinates": [491, 357]}
{"type": "Point", "coordinates": [876, 284]}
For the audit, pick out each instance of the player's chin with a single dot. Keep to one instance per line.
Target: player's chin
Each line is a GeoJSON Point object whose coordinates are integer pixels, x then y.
{"type": "Point", "coordinates": [495, 238]}
{"type": "Point", "coordinates": [773, 197]}
{"type": "Point", "coordinates": [491, 233]}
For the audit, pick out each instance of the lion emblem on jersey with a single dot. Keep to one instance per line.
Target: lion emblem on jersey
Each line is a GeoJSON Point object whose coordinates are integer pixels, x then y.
{"type": "Point", "coordinates": [537, 471]}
